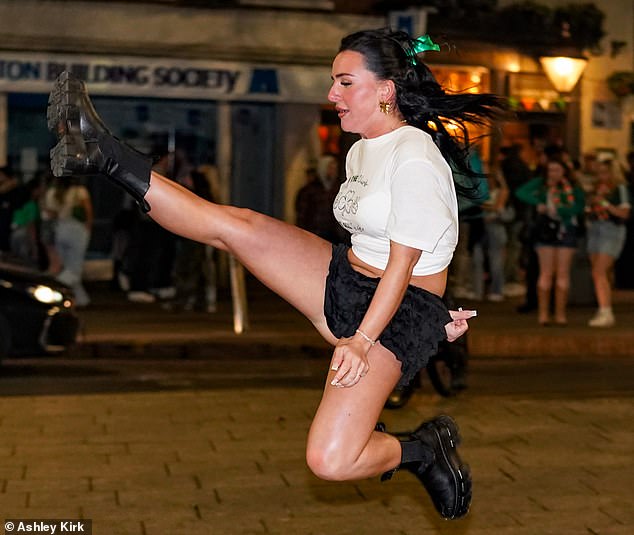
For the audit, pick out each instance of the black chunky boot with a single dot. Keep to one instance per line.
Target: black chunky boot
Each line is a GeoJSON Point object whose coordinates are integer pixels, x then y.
{"type": "Point", "coordinates": [86, 146]}
{"type": "Point", "coordinates": [430, 453]}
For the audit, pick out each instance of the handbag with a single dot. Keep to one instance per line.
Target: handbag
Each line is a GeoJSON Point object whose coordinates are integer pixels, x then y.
{"type": "Point", "coordinates": [547, 229]}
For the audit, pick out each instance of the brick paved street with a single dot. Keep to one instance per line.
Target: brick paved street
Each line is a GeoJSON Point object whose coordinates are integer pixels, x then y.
{"type": "Point", "coordinates": [231, 460]}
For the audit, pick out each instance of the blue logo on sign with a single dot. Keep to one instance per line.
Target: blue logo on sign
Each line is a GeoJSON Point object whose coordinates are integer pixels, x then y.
{"type": "Point", "coordinates": [264, 81]}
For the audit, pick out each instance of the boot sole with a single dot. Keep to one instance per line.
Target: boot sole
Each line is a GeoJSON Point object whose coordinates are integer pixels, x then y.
{"type": "Point", "coordinates": [64, 120]}
{"type": "Point", "coordinates": [448, 437]}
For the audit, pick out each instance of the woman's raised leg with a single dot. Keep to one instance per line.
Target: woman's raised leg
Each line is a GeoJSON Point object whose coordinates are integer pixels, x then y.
{"type": "Point", "coordinates": [290, 261]}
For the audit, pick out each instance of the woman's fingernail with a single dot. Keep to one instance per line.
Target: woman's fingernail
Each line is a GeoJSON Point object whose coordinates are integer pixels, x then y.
{"type": "Point", "coordinates": [334, 382]}
{"type": "Point", "coordinates": [474, 313]}
{"type": "Point", "coordinates": [334, 368]}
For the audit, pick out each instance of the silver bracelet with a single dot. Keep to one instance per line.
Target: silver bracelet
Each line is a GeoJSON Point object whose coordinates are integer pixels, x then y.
{"type": "Point", "coordinates": [367, 338]}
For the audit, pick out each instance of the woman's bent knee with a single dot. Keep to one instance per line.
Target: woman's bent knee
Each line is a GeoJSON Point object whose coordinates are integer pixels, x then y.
{"type": "Point", "coordinates": [328, 464]}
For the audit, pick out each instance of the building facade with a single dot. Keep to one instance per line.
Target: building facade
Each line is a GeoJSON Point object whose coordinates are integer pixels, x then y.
{"type": "Point", "coordinates": [246, 89]}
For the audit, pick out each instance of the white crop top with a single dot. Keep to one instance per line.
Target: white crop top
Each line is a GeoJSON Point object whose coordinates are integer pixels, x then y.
{"type": "Point", "coordinates": [399, 188]}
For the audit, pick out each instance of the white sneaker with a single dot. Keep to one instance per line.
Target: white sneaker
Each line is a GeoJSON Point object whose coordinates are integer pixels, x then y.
{"type": "Point", "coordinates": [141, 297]}
{"type": "Point", "coordinates": [603, 318]}
{"type": "Point", "coordinates": [169, 292]}
{"type": "Point", "coordinates": [514, 289]}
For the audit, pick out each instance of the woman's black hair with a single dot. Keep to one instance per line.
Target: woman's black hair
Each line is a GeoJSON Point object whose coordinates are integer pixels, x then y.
{"type": "Point", "coordinates": [420, 98]}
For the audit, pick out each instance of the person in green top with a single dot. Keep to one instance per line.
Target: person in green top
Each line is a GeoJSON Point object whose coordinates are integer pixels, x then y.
{"type": "Point", "coordinates": [558, 200]}
{"type": "Point", "coordinates": [25, 225]}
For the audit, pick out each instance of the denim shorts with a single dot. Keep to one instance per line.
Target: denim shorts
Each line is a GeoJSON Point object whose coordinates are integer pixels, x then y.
{"type": "Point", "coordinates": [414, 332]}
{"type": "Point", "coordinates": [606, 237]}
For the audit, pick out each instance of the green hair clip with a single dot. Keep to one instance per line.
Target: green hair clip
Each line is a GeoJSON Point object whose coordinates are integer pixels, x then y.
{"type": "Point", "coordinates": [421, 44]}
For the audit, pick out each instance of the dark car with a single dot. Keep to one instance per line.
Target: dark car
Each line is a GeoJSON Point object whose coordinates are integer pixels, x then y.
{"type": "Point", "coordinates": [37, 313]}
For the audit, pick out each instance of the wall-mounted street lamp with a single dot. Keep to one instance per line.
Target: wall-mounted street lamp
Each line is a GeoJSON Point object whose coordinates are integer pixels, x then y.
{"type": "Point", "coordinates": [563, 72]}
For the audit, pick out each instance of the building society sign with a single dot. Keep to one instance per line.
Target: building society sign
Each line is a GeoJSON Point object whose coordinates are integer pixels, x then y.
{"type": "Point", "coordinates": [167, 78]}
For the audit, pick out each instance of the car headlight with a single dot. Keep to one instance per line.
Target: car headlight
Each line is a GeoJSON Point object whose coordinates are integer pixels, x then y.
{"type": "Point", "coordinates": [46, 294]}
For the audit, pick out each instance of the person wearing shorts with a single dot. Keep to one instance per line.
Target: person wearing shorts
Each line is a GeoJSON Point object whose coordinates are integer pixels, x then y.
{"type": "Point", "coordinates": [559, 201]}
{"type": "Point", "coordinates": [379, 301]}
{"type": "Point", "coordinates": [607, 211]}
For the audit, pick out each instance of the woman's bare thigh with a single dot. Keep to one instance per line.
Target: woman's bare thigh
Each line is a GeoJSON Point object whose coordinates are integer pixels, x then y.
{"type": "Point", "coordinates": [346, 417]}
{"type": "Point", "coordinates": [292, 262]}
{"type": "Point", "coordinates": [563, 261]}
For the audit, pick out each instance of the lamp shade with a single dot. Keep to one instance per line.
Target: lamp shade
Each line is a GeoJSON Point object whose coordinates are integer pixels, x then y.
{"type": "Point", "coordinates": [563, 72]}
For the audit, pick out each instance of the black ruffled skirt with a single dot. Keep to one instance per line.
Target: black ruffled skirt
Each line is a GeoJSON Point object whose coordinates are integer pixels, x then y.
{"type": "Point", "coordinates": [413, 334]}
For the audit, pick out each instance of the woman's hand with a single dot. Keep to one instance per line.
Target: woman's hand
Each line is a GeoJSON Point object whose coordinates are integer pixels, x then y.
{"type": "Point", "coordinates": [456, 328]}
{"type": "Point", "coordinates": [350, 361]}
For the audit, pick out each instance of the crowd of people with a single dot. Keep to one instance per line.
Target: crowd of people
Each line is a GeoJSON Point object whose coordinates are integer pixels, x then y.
{"type": "Point", "coordinates": [519, 239]}
{"type": "Point", "coordinates": [536, 219]}
{"type": "Point", "coordinates": [520, 236]}
{"type": "Point", "coordinates": [152, 264]}
{"type": "Point", "coordinates": [46, 224]}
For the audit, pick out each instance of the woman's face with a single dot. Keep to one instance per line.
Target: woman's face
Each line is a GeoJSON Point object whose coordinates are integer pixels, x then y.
{"type": "Point", "coordinates": [555, 172]}
{"type": "Point", "coordinates": [355, 91]}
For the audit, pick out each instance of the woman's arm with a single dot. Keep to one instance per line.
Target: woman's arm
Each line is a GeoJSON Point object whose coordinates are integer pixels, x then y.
{"type": "Point", "coordinates": [619, 211]}
{"type": "Point", "coordinates": [350, 355]}
{"type": "Point", "coordinates": [390, 290]}
{"type": "Point", "coordinates": [86, 203]}
{"type": "Point", "coordinates": [503, 194]}
{"type": "Point", "coordinates": [531, 192]}
{"type": "Point", "coordinates": [621, 208]}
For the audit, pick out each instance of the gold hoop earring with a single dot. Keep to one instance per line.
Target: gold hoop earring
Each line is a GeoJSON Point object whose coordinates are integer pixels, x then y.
{"type": "Point", "coordinates": [385, 107]}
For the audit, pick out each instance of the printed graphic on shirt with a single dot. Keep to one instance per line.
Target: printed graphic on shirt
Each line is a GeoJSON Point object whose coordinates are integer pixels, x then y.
{"type": "Point", "coordinates": [359, 180]}
{"type": "Point", "coordinates": [346, 204]}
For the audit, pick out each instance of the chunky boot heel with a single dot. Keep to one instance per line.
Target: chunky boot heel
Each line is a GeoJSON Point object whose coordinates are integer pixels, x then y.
{"type": "Point", "coordinates": [86, 146]}
{"type": "Point", "coordinates": [430, 453]}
